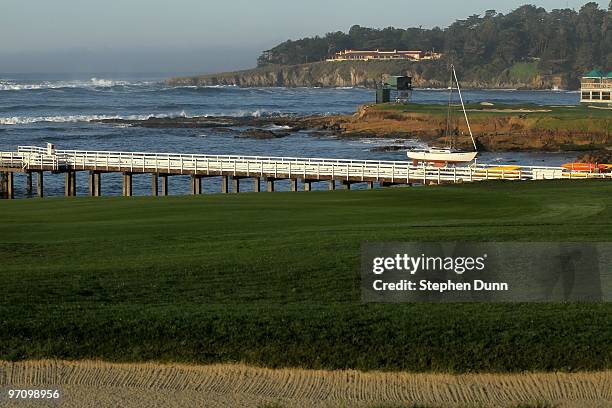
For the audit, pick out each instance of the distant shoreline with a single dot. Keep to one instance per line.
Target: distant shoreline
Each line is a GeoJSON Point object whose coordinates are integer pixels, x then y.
{"type": "Point", "coordinates": [358, 74]}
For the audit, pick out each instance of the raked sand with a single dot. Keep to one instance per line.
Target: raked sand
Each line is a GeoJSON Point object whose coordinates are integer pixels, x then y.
{"type": "Point", "coordinates": [100, 384]}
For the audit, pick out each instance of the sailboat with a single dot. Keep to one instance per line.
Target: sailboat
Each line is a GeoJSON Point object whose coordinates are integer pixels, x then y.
{"type": "Point", "coordinates": [449, 154]}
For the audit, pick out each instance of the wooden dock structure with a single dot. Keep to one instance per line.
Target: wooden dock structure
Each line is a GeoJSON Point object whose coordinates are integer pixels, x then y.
{"type": "Point", "coordinates": [234, 169]}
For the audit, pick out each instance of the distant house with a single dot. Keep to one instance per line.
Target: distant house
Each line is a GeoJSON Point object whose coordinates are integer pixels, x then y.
{"type": "Point", "coordinates": [377, 55]}
{"type": "Point", "coordinates": [596, 87]}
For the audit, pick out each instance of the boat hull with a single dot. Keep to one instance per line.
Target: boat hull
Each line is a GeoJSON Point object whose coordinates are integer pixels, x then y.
{"type": "Point", "coordinates": [442, 157]}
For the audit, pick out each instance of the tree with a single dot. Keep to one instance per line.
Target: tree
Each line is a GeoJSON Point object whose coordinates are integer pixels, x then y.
{"type": "Point", "coordinates": [559, 41]}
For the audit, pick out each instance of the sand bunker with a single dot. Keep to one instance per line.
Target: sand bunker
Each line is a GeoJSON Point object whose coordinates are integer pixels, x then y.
{"type": "Point", "coordinates": [99, 384]}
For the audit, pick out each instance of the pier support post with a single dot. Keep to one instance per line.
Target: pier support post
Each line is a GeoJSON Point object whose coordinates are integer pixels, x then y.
{"type": "Point", "coordinates": [164, 184]}
{"type": "Point", "coordinates": [347, 185]}
{"type": "Point", "coordinates": [92, 188]}
{"type": "Point", "coordinates": [95, 184]}
{"type": "Point", "coordinates": [3, 187]}
{"type": "Point", "coordinates": [256, 184]}
{"type": "Point", "coordinates": [70, 184]}
{"type": "Point", "coordinates": [196, 185]}
{"type": "Point", "coordinates": [307, 185]}
{"type": "Point", "coordinates": [331, 185]}
{"type": "Point", "coordinates": [10, 185]}
{"type": "Point", "coordinates": [370, 185]}
{"type": "Point", "coordinates": [40, 184]}
{"type": "Point", "coordinates": [67, 184]}
{"type": "Point", "coordinates": [29, 182]}
{"type": "Point", "coordinates": [154, 185]}
{"type": "Point", "coordinates": [294, 185]}
{"type": "Point", "coordinates": [127, 184]}
{"type": "Point", "coordinates": [224, 184]}
{"type": "Point", "coordinates": [236, 184]}
{"type": "Point", "coordinates": [270, 185]}
{"type": "Point", "coordinates": [98, 184]}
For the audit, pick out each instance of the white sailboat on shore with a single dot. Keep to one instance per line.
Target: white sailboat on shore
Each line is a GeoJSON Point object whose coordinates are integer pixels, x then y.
{"type": "Point", "coordinates": [449, 154]}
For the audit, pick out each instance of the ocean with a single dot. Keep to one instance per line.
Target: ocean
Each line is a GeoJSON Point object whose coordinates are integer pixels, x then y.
{"type": "Point", "coordinates": [40, 109]}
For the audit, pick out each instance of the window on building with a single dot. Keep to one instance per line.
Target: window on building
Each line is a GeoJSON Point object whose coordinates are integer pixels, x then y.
{"type": "Point", "coordinates": [586, 95]}
{"type": "Point", "coordinates": [596, 96]}
{"type": "Point", "coordinates": [605, 96]}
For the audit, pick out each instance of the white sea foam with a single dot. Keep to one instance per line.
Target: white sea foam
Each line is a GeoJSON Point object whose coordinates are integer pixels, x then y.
{"type": "Point", "coordinates": [24, 120]}
{"type": "Point", "coordinates": [245, 114]}
{"type": "Point", "coordinates": [279, 127]}
{"type": "Point", "coordinates": [9, 85]}
{"type": "Point", "coordinates": [109, 82]}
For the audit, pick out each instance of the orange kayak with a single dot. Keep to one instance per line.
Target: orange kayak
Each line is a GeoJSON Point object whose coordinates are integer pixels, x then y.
{"type": "Point", "coordinates": [584, 166]}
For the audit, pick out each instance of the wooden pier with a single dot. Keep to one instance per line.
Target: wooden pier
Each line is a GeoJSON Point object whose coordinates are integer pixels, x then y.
{"type": "Point", "coordinates": [235, 169]}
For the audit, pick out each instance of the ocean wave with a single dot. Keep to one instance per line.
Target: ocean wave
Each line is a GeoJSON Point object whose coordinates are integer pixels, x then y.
{"type": "Point", "coordinates": [26, 120]}
{"type": "Point", "coordinates": [259, 113]}
{"type": "Point", "coordinates": [93, 83]}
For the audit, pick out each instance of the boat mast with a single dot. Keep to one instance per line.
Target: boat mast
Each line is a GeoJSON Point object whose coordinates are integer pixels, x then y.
{"type": "Point", "coordinates": [451, 138]}
{"type": "Point", "coordinates": [463, 106]}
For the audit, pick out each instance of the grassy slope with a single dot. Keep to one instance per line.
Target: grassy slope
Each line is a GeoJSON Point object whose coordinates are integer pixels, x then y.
{"type": "Point", "coordinates": [555, 118]}
{"type": "Point", "coordinates": [272, 279]}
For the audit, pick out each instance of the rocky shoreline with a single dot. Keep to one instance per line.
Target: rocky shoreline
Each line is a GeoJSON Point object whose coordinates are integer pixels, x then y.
{"type": "Point", "coordinates": [362, 74]}
{"type": "Point", "coordinates": [504, 131]}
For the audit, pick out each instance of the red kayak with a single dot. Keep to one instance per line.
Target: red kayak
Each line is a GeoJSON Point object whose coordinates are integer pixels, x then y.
{"type": "Point", "coordinates": [591, 167]}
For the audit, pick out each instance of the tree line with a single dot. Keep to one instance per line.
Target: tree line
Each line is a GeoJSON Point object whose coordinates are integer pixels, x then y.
{"type": "Point", "coordinates": [559, 41]}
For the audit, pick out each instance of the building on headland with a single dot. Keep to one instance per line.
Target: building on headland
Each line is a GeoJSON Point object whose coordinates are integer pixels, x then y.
{"type": "Point", "coordinates": [596, 88]}
{"type": "Point", "coordinates": [377, 55]}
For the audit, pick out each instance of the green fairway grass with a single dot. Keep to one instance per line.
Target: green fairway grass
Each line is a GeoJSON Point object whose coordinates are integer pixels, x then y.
{"type": "Point", "coordinates": [273, 279]}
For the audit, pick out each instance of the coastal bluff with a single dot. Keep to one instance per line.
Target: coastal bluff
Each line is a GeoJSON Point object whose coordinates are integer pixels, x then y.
{"type": "Point", "coordinates": [362, 74]}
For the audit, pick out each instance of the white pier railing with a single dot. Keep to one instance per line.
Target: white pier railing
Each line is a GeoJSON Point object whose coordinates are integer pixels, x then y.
{"type": "Point", "coordinates": [37, 158]}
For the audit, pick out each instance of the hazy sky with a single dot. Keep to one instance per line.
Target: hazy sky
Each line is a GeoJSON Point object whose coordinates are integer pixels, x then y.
{"type": "Point", "coordinates": [198, 35]}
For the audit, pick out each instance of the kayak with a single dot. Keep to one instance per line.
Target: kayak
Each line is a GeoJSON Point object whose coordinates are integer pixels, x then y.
{"type": "Point", "coordinates": [584, 166]}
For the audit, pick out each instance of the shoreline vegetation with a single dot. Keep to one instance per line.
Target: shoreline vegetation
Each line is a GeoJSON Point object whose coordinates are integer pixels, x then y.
{"type": "Point", "coordinates": [271, 280]}
{"type": "Point", "coordinates": [496, 127]}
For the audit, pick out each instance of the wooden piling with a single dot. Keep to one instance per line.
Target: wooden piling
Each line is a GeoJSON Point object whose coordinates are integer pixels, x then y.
{"type": "Point", "coordinates": [154, 184]}
{"type": "Point", "coordinates": [196, 184]}
{"type": "Point", "coordinates": [127, 184]}
{"type": "Point", "coordinates": [40, 184]}
{"type": "Point", "coordinates": [236, 184]}
{"type": "Point", "coordinates": [256, 184]}
{"type": "Point", "coordinates": [331, 185]}
{"type": "Point", "coordinates": [95, 184]}
{"type": "Point", "coordinates": [224, 184]}
{"type": "Point", "coordinates": [164, 184]}
{"type": "Point", "coordinates": [70, 184]}
{"type": "Point", "coordinates": [92, 187]}
{"type": "Point", "coordinates": [10, 185]}
{"type": "Point", "coordinates": [98, 184]}
{"type": "Point", "coordinates": [294, 185]}
{"type": "Point", "coordinates": [270, 185]}
{"type": "Point", "coordinates": [3, 187]}
{"type": "Point", "coordinates": [29, 183]}
{"type": "Point", "coordinates": [307, 185]}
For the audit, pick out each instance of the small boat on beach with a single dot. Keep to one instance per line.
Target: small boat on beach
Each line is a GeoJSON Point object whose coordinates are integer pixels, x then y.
{"type": "Point", "coordinates": [441, 155]}
{"type": "Point", "coordinates": [448, 154]}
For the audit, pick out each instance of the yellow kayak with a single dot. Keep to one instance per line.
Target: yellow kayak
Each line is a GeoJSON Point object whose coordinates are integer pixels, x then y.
{"type": "Point", "coordinates": [499, 171]}
{"type": "Point", "coordinates": [504, 168]}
